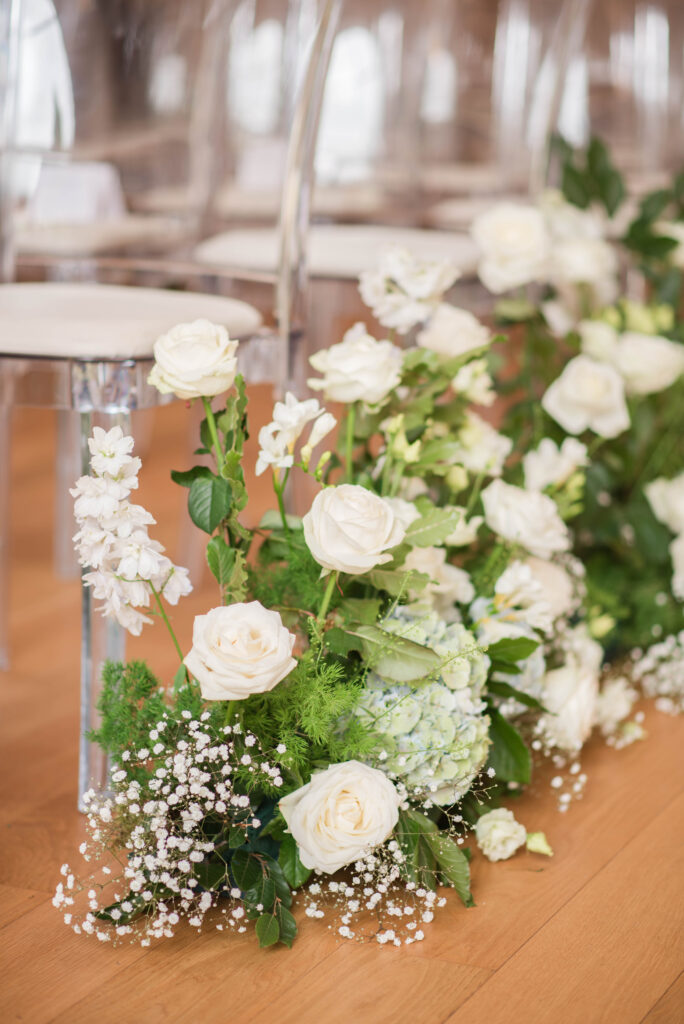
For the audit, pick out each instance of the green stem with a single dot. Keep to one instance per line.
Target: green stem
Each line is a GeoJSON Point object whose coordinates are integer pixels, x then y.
{"type": "Point", "coordinates": [165, 617]}
{"type": "Point", "coordinates": [475, 493]}
{"type": "Point", "coordinates": [211, 422]}
{"type": "Point", "coordinates": [349, 446]}
{"type": "Point", "coordinates": [325, 604]}
{"type": "Point", "coordinates": [279, 488]}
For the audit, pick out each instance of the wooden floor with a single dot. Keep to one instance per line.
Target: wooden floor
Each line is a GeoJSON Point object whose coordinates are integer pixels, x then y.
{"type": "Point", "coordinates": [593, 935]}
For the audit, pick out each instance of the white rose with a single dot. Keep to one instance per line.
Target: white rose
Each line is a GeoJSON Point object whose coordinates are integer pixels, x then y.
{"type": "Point", "coordinates": [482, 448]}
{"type": "Point", "coordinates": [528, 518]}
{"type": "Point", "coordinates": [570, 694]}
{"type": "Point", "coordinates": [550, 464]}
{"type": "Point", "coordinates": [448, 584]}
{"type": "Point", "coordinates": [350, 529]}
{"type": "Point", "coordinates": [194, 360]}
{"type": "Point", "coordinates": [518, 594]}
{"type": "Point", "coordinates": [582, 261]}
{"type": "Point", "coordinates": [514, 246]}
{"type": "Point", "coordinates": [614, 704]}
{"type": "Point", "coordinates": [453, 332]}
{"type": "Point", "coordinates": [499, 835]}
{"type": "Point", "coordinates": [341, 814]}
{"type": "Point", "coordinates": [565, 220]}
{"type": "Point", "coordinates": [559, 590]}
{"type": "Point", "coordinates": [560, 319]}
{"type": "Point", "coordinates": [358, 369]}
{"type": "Point", "coordinates": [405, 512]}
{"type": "Point", "coordinates": [648, 364]}
{"type": "Point", "coordinates": [666, 498]}
{"type": "Point", "coordinates": [239, 649]}
{"type": "Point", "coordinates": [599, 340]}
{"type": "Point", "coordinates": [588, 395]}
{"type": "Point", "coordinates": [677, 556]}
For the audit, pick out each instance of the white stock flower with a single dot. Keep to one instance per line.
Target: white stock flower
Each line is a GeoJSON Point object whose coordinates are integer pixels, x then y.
{"type": "Point", "coordinates": [599, 340]}
{"type": "Point", "coordinates": [588, 395]}
{"type": "Point", "coordinates": [528, 518]}
{"type": "Point", "coordinates": [403, 291]}
{"type": "Point", "coordinates": [559, 590]}
{"type": "Point", "coordinates": [570, 694]}
{"type": "Point", "coordinates": [519, 592]}
{"type": "Point", "coordinates": [448, 584]}
{"type": "Point", "coordinates": [273, 450]}
{"type": "Point", "coordinates": [474, 383]}
{"type": "Point", "coordinates": [648, 364]}
{"type": "Point", "coordinates": [194, 360]}
{"type": "Point", "coordinates": [666, 498]}
{"type": "Point", "coordinates": [358, 369]}
{"type": "Point", "coordinates": [499, 835]}
{"type": "Point", "coordinates": [453, 332]}
{"type": "Point", "coordinates": [677, 556]}
{"type": "Point", "coordinates": [322, 426]}
{"type": "Point", "coordinates": [277, 439]}
{"type": "Point", "coordinates": [110, 451]}
{"type": "Point", "coordinates": [514, 246]}
{"type": "Point", "coordinates": [482, 449]}
{"type": "Point", "coordinates": [239, 649]}
{"type": "Point", "coordinates": [340, 815]}
{"type": "Point", "coordinates": [350, 529]}
{"type": "Point", "coordinates": [614, 704]}
{"type": "Point", "coordinates": [291, 416]}
{"type": "Point", "coordinates": [549, 464]}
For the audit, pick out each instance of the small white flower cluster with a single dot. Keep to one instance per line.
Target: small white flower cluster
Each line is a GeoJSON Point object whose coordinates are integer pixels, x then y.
{"type": "Point", "coordinates": [112, 539]}
{"type": "Point", "coordinates": [375, 902]}
{"type": "Point", "coordinates": [404, 291]}
{"type": "Point", "coordinates": [166, 840]}
{"type": "Point", "coordinates": [666, 498]}
{"type": "Point", "coordinates": [659, 671]}
{"type": "Point", "coordinates": [277, 439]}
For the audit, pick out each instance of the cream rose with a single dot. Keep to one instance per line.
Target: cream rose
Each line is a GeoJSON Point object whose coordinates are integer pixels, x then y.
{"type": "Point", "coordinates": [582, 261]}
{"type": "Point", "coordinates": [528, 518]}
{"type": "Point", "coordinates": [341, 814]}
{"type": "Point", "coordinates": [194, 360]}
{"type": "Point", "coordinates": [648, 364]}
{"type": "Point", "coordinates": [514, 246]}
{"type": "Point", "coordinates": [499, 835]}
{"type": "Point", "coordinates": [549, 464]}
{"type": "Point", "coordinates": [482, 448]}
{"type": "Point", "coordinates": [666, 498]}
{"type": "Point", "coordinates": [453, 332]}
{"type": "Point", "coordinates": [599, 340]}
{"type": "Point", "coordinates": [588, 395]}
{"type": "Point", "coordinates": [570, 694]}
{"type": "Point", "coordinates": [557, 584]}
{"type": "Point", "coordinates": [350, 529]}
{"type": "Point", "coordinates": [239, 649]}
{"type": "Point", "coordinates": [358, 369]}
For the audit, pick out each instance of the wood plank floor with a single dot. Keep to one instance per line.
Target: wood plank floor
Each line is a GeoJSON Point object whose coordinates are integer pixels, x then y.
{"type": "Point", "coordinates": [592, 935]}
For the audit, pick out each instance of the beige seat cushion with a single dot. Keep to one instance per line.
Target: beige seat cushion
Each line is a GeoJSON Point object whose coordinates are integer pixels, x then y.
{"type": "Point", "coordinates": [97, 321]}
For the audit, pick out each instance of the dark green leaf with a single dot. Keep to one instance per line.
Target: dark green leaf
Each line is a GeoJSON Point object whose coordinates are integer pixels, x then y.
{"type": "Point", "coordinates": [262, 894]}
{"type": "Point", "coordinates": [508, 755]}
{"type": "Point", "coordinates": [221, 560]}
{"type": "Point", "coordinates": [246, 869]}
{"type": "Point", "coordinates": [452, 864]}
{"type": "Point", "coordinates": [575, 188]}
{"type": "Point", "coordinates": [267, 930]}
{"type": "Point", "coordinates": [186, 477]}
{"type": "Point", "coordinates": [294, 871]}
{"type": "Point", "coordinates": [211, 873]}
{"type": "Point", "coordinates": [287, 925]}
{"type": "Point", "coordinates": [512, 649]}
{"type": "Point", "coordinates": [209, 502]}
{"type": "Point", "coordinates": [501, 689]}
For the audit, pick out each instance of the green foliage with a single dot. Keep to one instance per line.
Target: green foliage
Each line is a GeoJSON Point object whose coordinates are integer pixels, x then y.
{"type": "Point", "coordinates": [431, 856]}
{"type": "Point", "coordinates": [393, 657]}
{"type": "Point", "coordinates": [287, 576]}
{"type": "Point", "coordinates": [508, 755]}
{"type": "Point", "coordinates": [209, 502]}
{"type": "Point", "coordinates": [590, 176]}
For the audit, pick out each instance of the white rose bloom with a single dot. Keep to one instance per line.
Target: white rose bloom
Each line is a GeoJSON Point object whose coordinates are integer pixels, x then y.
{"type": "Point", "coordinates": [341, 814]}
{"type": "Point", "coordinates": [524, 517]}
{"type": "Point", "coordinates": [570, 694]}
{"type": "Point", "coordinates": [448, 584]}
{"type": "Point", "coordinates": [550, 464]}
{"type": "Point", "coordinates": [483, 449]}
{"type": "Point", "coordinates": [358, 369]}
{"type": "Point", "coordinates": [557, 585]}
{"type": "Point", "coordinates": [466, 531]}
{"type": "Point", "coordinates": [194, 360]}
{"type": "Point", "coordinates": [514, 246]}
{"type": "Point", "coordinates": [499, 835]}
{"type": "Point", "coordinates": [518, 594]}
{"type": "Point", "coordinates": [677, 556]}
{"type": "Point", "coordinates": [599, 340]}
{"type": "Point", "coordinates": [403, 291]}
{"type": "Point", "coordinates": [560, 319]}
{"type": "Point", "coordinates": [588, 395]}
{"type": "Point", "coordinates": [648, 364]}
{"type": "Point", "coordinates": [565, 220]}
{"type": "Point", "coordinates": [405, 512]}
{"type": "Point", "coordinates": [474, 383]}
{"type": "Point", "coordinates": [582, 261]}
{"type": "Point", "coordinates": [666, 498]}
{"type": "Point", "coordinates": [350, 529]}
{"type": "Point", "coordinates": [614, 704]}
{"type": "Point", "coordinates": [453, 332]}
{"type": "Point", "coordinates": [239, 649]}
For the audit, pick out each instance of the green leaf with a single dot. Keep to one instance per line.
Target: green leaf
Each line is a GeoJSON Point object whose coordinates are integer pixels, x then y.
{"type": "Point", "coordinates": [209, 502]}
{"type": "Point", "coordinates": [508, 755]}
{"type": "Point", "coordinates": [395, 657]}
{"type": "Point", "coordinates": [420, 862]}
{"type": "Point", "coordinates": [575, 188]}
{"type": "Point", "coordinates": [439, 455]}
{"type": "Point", "coordinates": [287, 925]}
{"type": "Point", "coordinates": [211, 873]}
{"type": "Point", "coordinates": [236, 587]}
{"type": "Point", "coordinates": [294, 871]}
{"type": "Point", "coordinates": [186, 477]}
{"type": "Point", "coordinates": [501, 689]}
{"type": "Point", "coordinates": [220, 559]}
{"type": "Point", "coordinates": [180, 678]}
{"type": "Point", "coordinates": [124, 917]}
{"type": "Point", "coordinates": [433, 527]}
{"type": "Point", "coordinates": [515, 310]}
{"type": "Point", "coordinates": [246, 869]}
{"type": "Point", "coordinates": [398, 581]}
{"type": "Point", "coordinates": [360, 609]}
{"type": "Point", "coordinates": [512, 649]}
{"type": "Point", "coordinates": [652, 205]}
{"type": "Point", "coordinates": [263, 893]}
{"type": "Point", "coordinates": [276, 872]}
{"type": "Point", "coordinates": [612, 190]}
{"type": "Point", "coordinates": [452, 864]}
{"type": "Point", "coordinates": [267, 930]}
{"type": "Point", "coordinates": [272, 520]}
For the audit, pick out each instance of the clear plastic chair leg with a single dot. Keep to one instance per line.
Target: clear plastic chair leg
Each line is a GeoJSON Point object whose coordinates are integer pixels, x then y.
{"type": "Point", "coordinates": [5, 424]}
{"type": "Point", "coordinates": [68, 470]}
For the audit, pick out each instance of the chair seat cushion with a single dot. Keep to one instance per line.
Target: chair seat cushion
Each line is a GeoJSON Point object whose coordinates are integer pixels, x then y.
{"type": "Point", "coordinates": [97, 321]}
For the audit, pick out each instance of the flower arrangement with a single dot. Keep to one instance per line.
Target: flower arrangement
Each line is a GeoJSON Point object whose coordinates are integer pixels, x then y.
{"type": "Point", "coordinates": [377, 674]}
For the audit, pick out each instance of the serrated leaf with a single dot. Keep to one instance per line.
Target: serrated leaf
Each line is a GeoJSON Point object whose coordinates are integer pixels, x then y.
{"type": "Point", "coordinates": [267, 930]}
{"type": "Point", "coordinates": [236, 587]}
{"type": "Point", "coordinates": [185, 477]}
{"type": "Point", "coordinates": [452, 864]}
{"type": "Point", "coordinates": [399, 581]}
{"type": "Point", "coordinates": [512, 649]}
{"type": "Point", "coordinates": [294, 871]}
{"type": "Point", "coordinates": [432, 528]}
{"type": "Point", "coordinates": [209, 502]}
{"type": "Point", "coordinates": [395, 657]}
{"type": "Point", "coordinates": [508, 755]}
{"type": "Point", "coordinates": [221, 560]}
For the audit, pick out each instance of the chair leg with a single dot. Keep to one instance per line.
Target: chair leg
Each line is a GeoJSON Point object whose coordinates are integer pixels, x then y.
{"type": "Point", "coordinates": [68, 469]}
{"type": "Point", "coordinates": [5, 425]}
{"type": "Point", "coordinates": [101, 640]}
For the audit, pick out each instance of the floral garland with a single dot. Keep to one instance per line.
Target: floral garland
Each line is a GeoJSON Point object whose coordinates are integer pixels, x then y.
{"type": "Point", "coordinates": [378, 674]}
